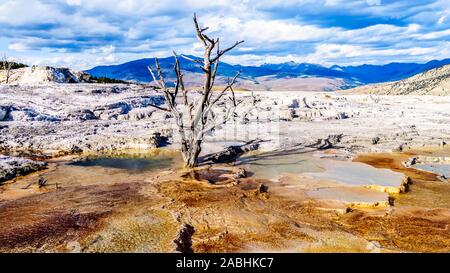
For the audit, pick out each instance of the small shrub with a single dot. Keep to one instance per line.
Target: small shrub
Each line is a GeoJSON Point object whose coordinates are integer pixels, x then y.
{"type": "Point", "coordinates": [106, 80]}
{"type": "Point", "coordinates": [14, 65]}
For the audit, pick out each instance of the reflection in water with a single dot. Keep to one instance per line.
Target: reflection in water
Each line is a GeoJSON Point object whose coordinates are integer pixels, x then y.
{"type": "Point", "coordinates": [358, 174]}
{"type": "Point", "coordinates": [270, 167]}
{"type": "Point", "coordinates": [348, 173]}
{"type": "Point", "coordinates": [131, 164]}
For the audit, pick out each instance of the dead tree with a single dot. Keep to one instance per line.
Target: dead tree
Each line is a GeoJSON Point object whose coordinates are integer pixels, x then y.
{"type": "Point", "coordinates": [375, 99]}
{"type": "Point", "coordinates": [7, 67]}
{"type": "Point", "coordinates": [194, 116]}
{"type": "Point", "coordinates": [234, 152]}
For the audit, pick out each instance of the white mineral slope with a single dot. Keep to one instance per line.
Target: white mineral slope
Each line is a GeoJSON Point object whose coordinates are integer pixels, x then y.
{"type": "Point", "coordinates": [432, 82]}
{"type": "Point", "coordinates": [94, 117]}
{"type": "Point", "coordinates": [390, 124]}
{"type": "Point", "coordinates": [66, 117]}
{"type": "Point", "coordinates": [43, 75]}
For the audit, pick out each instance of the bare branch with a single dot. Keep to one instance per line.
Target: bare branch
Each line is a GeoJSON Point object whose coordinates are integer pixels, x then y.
{"type": "Point", "coordinates": [170, 99]}
{"type": "Point", "coordinates": [159, 107]}
{"type": "Point", "coordinates": [150, 69]}
{"type": "Point", "coordinates": [177, 70]}
{"type": "Point", "coordinates": [190, 59]}
{"type": "Point", "coordinates": [221, 53]}
{"type": "Point", "coordinates": [233, 97]}
{"type": "Point", "coordinates": [216, 64]}
{"type": "Point", "coordinates": [230, 113]}
{"type": "Point", "coordinates": [199, 31]}
{"type": "Point", "coordinates": [160, 74]}
{"type": "Point", "coordinates": [183, 89]}
{"type": "Point", "coordinates": [230, 85]}
{"type": "Point", "coordinates": [180, 83]}
{"type": "Point", "coordinates": [211, 41]}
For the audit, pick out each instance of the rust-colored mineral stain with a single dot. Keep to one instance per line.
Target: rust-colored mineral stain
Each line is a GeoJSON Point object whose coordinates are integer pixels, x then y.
{"type": "Point", "coordinates": [46, 220]}
{"type": "Point", "coordinates": [426, 190]}
{"type": "Point", "coordinates": [404, 230]}
{"type": "Point", "coordinates": [229, 214]}
{"type": "Point", "coordinates": [394, 162]}
{"type": "Point", "coordinates": [420, 219]}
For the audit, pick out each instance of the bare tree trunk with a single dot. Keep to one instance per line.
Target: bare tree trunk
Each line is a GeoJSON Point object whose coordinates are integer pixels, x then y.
{"type": "Point", "coordinates": [8, 73]}
{"type": "Point", "coordinates": [232, 153]}
{"type": "Point", "coordinates": [200, 117]}
{"type": "Point", "coordinates": [194, 154]}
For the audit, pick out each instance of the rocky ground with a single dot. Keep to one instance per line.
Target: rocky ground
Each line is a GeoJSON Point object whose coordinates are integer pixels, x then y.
{"type": "Point", "coordinates": [91, 118]}
{"type": "Point", "coordinates": [72, 118]}
{"type": "Point", "coordinates": [218, 211]}
{"type": "Point", "coordinates": [12, 167]}
{"type": "Point", "coordinates": [219, 208]}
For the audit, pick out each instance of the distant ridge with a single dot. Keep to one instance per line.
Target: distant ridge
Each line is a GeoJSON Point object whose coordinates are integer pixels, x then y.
{"type": "Point", "coordinates": [432, 82]}
{"type": "Point", "coordinates": [260, 77]}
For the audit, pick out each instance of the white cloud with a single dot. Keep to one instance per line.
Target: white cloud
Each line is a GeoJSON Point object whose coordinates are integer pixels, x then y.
{"type": "Point", "coordinates": [17, 47]}
{"type": "Point", "coordinates": [74, 2]}
{"type": "Point", "coordinates": [323, 31]}
{"type": "Point", "coordinates": [104, 49]}
{"type": "Point", "coordinates": [343, 2]}
{"type": "Point", "coordinates": [280, 31]}
{"type": "Point", "coordinates": [374, 2]}
{"type": "Point", "coordinates": [434, 35]}
{"type": "Point", "coordinates": [108, 59]}
{"type": "Point", "coordinates": [443, 17]}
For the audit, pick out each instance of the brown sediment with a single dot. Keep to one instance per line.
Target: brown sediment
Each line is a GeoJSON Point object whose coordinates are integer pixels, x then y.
{"type": "Point", "coordinates": [364, 205]}
{"type": "Point", "coordinates": [394, 161]}
{"type": "Point", "coordinates": [215, 176]}
{"type": "Point", "coordinates": [251, 215]}
{"type": "Point", "coordinates": [403, 188]}
{"type": "Point", "coordinates": [46, 220]}
{"type": "Point", "coordinates": [234, 219]}
{"type": "Point", "coordinates": [142, 227]}
{"type": "Point", "coordinates": [424, 188]}
{"type": "Point", "coordinates": [403, 230]}
{"type": "Point", "coordinates": [419, 221]}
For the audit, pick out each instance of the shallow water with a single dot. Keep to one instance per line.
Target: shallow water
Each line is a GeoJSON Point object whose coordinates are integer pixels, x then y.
{"type": "Point", "coordinates": [273, 166]}
{"type": "Point", "coordinates": [349, 195]}
{"type": "Point", "coordinates": [113, 185]}
{"type": "Point", "coordinates": [440, 169]}
{"type": "Point", "coordinates": [326, 179]}
{"type": "Point", "coordinates": [113, 168]}
{"type": "Point", "coordinates": [95, 170]}
{"type": "Point", "coordinates": [358, 174]}
{"type": "Point", "coordinates": [347, 173]}
{"type": "Point", "coordinates": [426, 191]}
{"type": "Point", "coordinates": [130, 164]}
{"type": "Point", "coordinates": [322, 178]}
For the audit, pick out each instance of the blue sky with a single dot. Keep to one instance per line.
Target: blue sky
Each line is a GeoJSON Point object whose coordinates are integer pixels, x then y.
{"type": "Point", "coordinates": [85, 33]}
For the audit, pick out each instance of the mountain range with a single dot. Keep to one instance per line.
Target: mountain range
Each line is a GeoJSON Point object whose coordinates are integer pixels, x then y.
{"type": "Point", "coordinates": [289, 75]}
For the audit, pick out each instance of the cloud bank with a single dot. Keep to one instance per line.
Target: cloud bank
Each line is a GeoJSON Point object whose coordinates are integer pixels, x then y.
{"type": "Point", "coordinates": [86, 33]}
